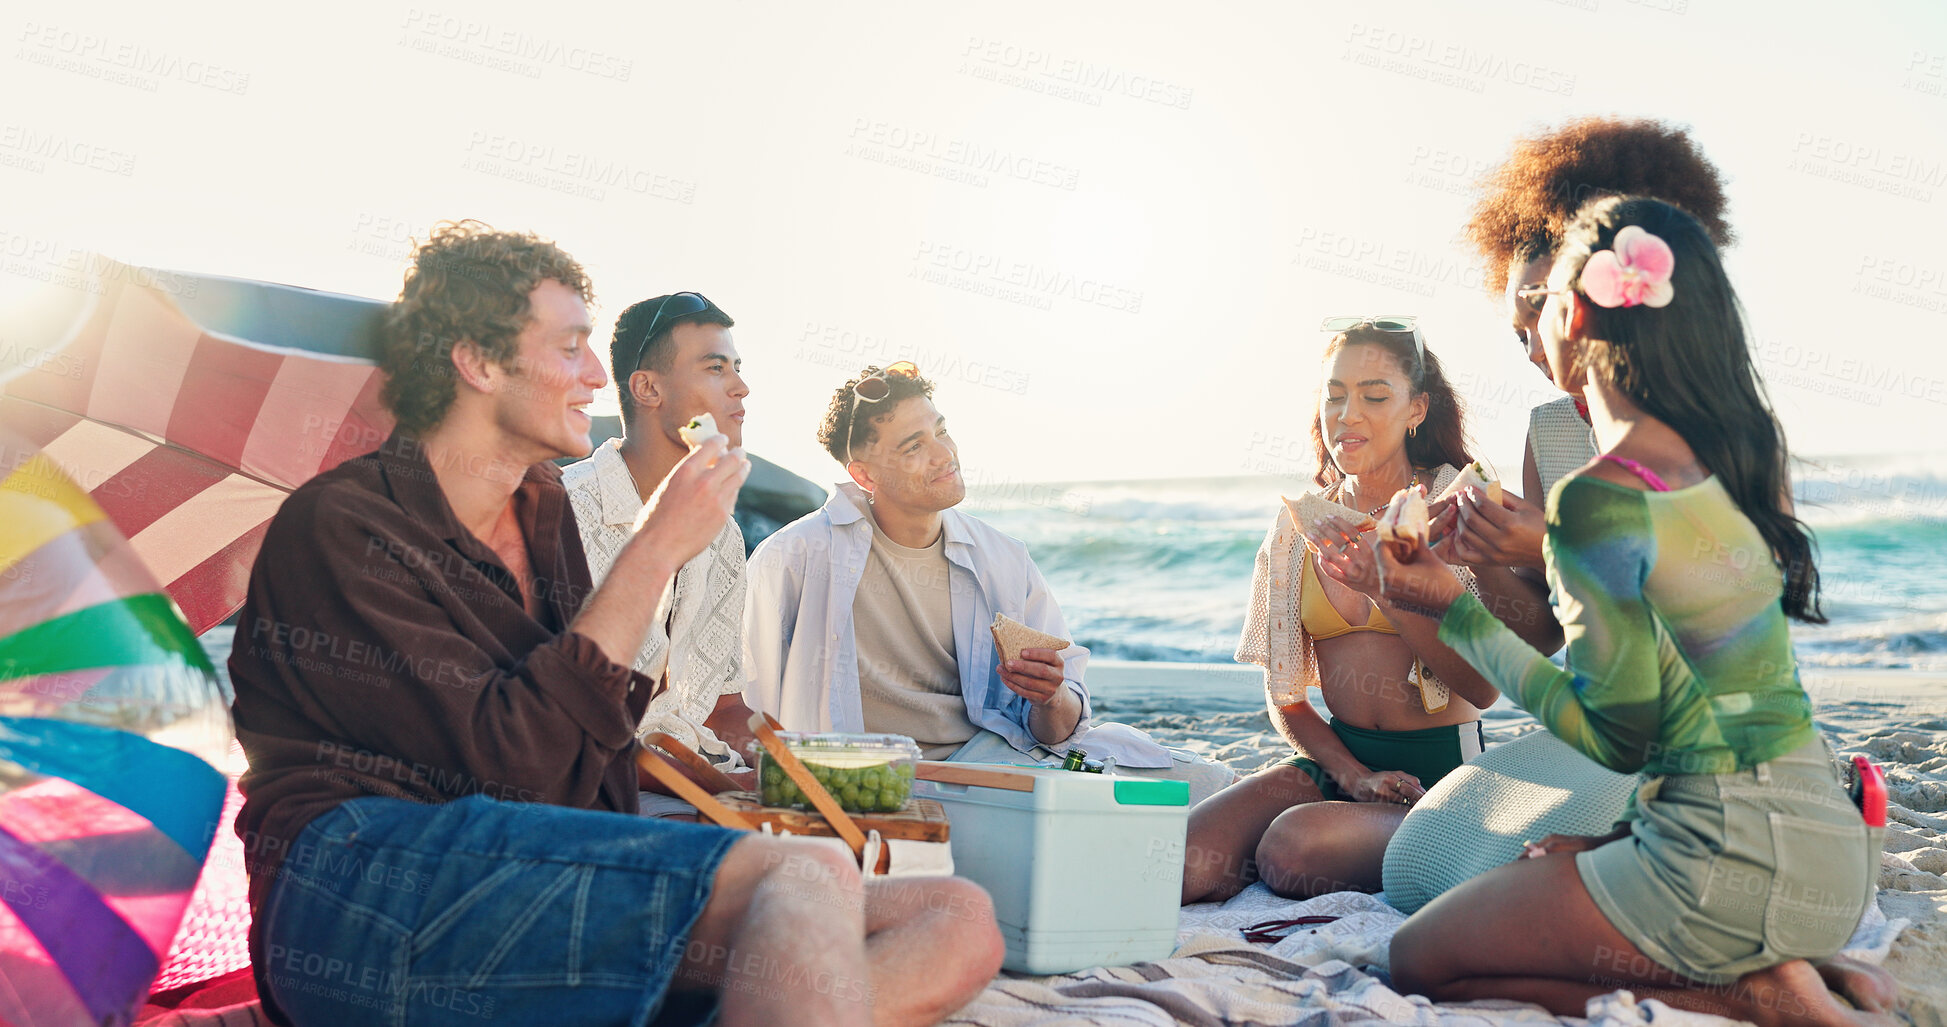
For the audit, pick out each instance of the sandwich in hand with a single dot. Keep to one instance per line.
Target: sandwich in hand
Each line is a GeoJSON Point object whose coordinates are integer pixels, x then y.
{"type": "Point", "coordinates": [1011, 636]}
{"type": "Point", "coordinates": [700, 428]}
{"type": "Point", "coordinates": [1476, 475]}
{"type": "Point", "coordinates": [1310, 508]}
{"type": "Point", "coordinates": [1405, 518]}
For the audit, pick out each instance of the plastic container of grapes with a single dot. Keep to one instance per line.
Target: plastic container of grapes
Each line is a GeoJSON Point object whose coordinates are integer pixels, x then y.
{"type": "Point", "coordinates": [865, 773]}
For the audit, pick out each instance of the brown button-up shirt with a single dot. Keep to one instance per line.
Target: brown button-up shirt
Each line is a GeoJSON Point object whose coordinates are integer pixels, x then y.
{"type": "Point", "coordinates": [383, 650]}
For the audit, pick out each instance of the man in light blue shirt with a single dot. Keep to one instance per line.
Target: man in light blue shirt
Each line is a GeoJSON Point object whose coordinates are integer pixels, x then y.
{"type": "Point", "coordinates": [872, 613]}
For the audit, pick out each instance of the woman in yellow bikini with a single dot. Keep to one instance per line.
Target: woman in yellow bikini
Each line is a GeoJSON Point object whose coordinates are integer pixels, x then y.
{"type": "Point", "coordinates": [1405, 710]}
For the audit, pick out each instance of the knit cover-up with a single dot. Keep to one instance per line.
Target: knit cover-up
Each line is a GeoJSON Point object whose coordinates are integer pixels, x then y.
{"type": "Point", "coordinates": [1274, 635]}
{"type": "Point", "coordinates": [1560, 441]}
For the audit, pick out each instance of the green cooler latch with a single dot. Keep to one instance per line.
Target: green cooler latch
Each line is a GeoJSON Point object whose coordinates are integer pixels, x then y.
{"type": "Point", "coordinates": [1138, 791]}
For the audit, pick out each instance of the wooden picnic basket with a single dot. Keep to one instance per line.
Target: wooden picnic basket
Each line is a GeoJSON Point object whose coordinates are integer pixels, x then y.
{"type": "Point", "coordinates": [910, 842]}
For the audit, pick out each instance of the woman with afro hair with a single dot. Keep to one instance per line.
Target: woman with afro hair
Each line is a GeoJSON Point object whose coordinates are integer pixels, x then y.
{"type": "Point", "coordinates": [1525, 205]}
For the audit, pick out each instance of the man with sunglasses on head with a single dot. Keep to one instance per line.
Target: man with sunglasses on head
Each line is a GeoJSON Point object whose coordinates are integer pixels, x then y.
{"type": "Point", "coordinates": [871, 614]}
{"type": "Point", "coordinates": [675, 360]}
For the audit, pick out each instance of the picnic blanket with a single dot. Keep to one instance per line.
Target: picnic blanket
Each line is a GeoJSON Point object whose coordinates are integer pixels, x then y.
{"type": "Point", "coordinates": [1329, 974]}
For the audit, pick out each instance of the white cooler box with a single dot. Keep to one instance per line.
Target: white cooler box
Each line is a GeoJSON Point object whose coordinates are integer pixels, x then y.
{"type": "Point", "coordinates": [1085, 869]}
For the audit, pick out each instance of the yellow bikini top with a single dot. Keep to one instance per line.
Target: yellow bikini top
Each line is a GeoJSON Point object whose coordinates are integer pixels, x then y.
{"type": "Point", "coordinates": [1322, 620]}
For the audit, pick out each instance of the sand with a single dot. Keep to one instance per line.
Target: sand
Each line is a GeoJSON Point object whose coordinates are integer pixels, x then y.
{"type": "Point", "coordinates": [1896, 718]}
{"type": "Point", "coordinates": [1899, 720]}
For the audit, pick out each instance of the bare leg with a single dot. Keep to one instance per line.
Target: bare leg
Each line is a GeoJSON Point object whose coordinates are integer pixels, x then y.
{"type": "Point", "coordinates": [1219, 850]}
{"type": "Point", "coordinates": [932, 944]}
{"type": "Point", "coordinates": [790, 935]}
{"type": "Point", "coordinates": [1529, 931]}
{"type": "Point", "coordinates": [782, 938]}
{"type": "Point", "coordinates": [1326, 847]}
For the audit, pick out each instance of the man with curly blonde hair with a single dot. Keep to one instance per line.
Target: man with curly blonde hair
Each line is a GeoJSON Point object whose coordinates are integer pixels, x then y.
{"type": "Point", "coordinates": [468, 283]}
{"type": "Point", "coordinates": [439, 712]}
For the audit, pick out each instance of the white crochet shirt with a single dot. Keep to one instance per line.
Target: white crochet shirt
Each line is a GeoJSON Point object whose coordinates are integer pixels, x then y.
{"type": "Point", "coordinates": [1561, 442]}
{"type": "Point", "coordinates": [703, 609]}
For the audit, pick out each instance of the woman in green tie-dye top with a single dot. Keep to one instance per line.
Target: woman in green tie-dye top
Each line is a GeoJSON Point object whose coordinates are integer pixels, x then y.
{"type": "Point", "coordinates": [1674, 562]}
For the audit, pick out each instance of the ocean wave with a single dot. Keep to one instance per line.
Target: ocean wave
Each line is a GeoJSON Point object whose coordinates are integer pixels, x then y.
{"type": "Point", "coordinates": [1161, 570]}
{"type": "Point", "coordinates": [1145, 554]}
{"type": "Point", "coordinates": [1827, 492]}
{"type": "Point", "coordinates": [1185, 510]}
{"type": "Point", "coordinates": [1915, 642]}
{"type": "Point", "coordinates": [1847, 490]}
{"type": "Point", "coordinates": [1124, 649]}
{"type": "Point", "coordinates": [1184, 500]}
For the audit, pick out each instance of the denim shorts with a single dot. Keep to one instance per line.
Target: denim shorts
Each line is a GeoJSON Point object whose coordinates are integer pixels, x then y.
{"type": "Point", "coordinates": [477, 911]}
{"type": "Point", "coordinates": [1724, 874]}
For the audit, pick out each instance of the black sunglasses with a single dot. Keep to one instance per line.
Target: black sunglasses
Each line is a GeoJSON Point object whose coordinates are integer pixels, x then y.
{"type": "Point", "coordinates": [674, 306]}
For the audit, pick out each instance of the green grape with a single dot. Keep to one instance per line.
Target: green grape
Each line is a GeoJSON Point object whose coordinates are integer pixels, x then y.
{"type": "Point", "coordinates": [868, 788]}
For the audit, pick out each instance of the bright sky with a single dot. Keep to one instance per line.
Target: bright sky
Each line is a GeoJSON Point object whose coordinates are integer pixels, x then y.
{"type": "Point", "coordinates": [1108, 229]}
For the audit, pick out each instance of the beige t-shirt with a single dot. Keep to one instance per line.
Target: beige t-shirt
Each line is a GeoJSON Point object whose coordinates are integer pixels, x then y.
{"type": "Point", "coordinates": [902, 620]}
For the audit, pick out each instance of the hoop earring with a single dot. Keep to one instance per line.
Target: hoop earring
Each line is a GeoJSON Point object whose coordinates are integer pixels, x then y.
{"type": "Point", "coordinates": [1412, 430]}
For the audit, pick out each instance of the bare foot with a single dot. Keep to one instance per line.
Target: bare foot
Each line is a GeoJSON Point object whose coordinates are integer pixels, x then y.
{"type": "Point", "coordinates": [1863, 984]}
{"type": "Point", "coordinates": [1794, 993]}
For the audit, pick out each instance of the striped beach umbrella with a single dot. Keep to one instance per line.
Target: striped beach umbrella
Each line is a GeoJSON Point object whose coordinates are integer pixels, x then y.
{"type": "Point", "coordinates": [176, 412]}
{"type": "Point", "coordinates": [189, 406]}
{"type": "Point", "coordinates": [111, 721]}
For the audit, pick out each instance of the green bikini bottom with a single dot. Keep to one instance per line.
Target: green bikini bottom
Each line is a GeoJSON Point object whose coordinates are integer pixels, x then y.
{"type": "Point", "coordinates": [1428, 754]}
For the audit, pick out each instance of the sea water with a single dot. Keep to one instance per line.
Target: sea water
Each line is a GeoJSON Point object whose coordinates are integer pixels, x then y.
{"type": "Point", "coordinates": [1161, 569]}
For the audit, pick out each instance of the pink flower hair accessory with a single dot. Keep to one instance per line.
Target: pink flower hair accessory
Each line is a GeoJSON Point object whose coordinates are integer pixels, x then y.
{"type": "Point", "coordinates": [1634, 270]}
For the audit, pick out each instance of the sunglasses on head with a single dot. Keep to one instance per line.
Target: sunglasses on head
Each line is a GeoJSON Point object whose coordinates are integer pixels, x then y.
{"type": "Point", "coordinates": [1536, 295]}
{"type": "Point", "coordinates": [673, 307]}
{"type": "Point", "coordinates": [873, 388]}
{"type": "Point", "coordinates": [1382, 322]}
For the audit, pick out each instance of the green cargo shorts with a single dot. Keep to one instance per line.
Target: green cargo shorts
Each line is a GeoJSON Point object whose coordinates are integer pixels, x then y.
{"type": "Point", "coordinates": [1725, 874]}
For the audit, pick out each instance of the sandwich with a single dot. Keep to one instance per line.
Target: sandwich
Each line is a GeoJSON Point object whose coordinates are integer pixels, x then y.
{"type": "Point", "coordinates": [1476, 475]}
{"type": "Point", "coordinates": [700, 428]}
{"type": "Point", "coordinates": [1011, 636]}
{"type": "Point", "coordinates": [1310, 508]}
{"type": "Point", "coordinates": [1405, 518]}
